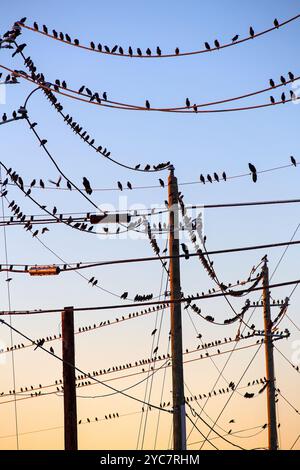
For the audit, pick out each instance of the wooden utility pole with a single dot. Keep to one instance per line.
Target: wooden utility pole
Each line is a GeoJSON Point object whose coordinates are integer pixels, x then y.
{"type": "Point", "coordinates": [68, 354]}
{"type": "Point", "coordinates": [270, 374]}
{"type": "Point", "coordinates": [179, 425]}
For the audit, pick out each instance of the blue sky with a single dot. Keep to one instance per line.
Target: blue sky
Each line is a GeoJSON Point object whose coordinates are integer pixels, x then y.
{"type": "Point", "coordinates": [194, 143]}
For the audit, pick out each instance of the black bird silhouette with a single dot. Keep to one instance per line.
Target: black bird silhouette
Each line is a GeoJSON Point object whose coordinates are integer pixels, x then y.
{"type": "Point", "coordinates": [68, 38]}
{"type": "Point", "coordinates": [272, 83]}
{"type": "Point", "coordinates": [291, 76]}
{"type": "Point", "coordinates": [130, 51]}
{"type": "Point", "coordinates": [153, 332]}
{"type": "Point", "coordinates": [36, 26]}
{"type": "Point", "coordinates": [39, 343]}
{"type": "Point", "coordinates": [44, 230]}
{"type": "Point", "coordinates": [87, 186]}
{"type": "Point", "coordinates": [188, 103]}
{"type": "Point", "coordinates": [209, 178]}
{"type": "Point", "coordinates": [283, 80]}
{"type": "Point", "coordinates": [43, 142]}
{"type": "Point", "coordinates": [55, 33]}
{"type": "Point", "coordinates": [202, 179]}
{"type": "Point", "coordinates": [235, 38]}
{"type": "Point", "coordinates": [251, 32]}
{"type": "Point", "coordinates": [217, 44]}
{"type": "Point", "coordinates": [283, 97]}
{"type": "Point", "coordinates": [148, 51]}
{"type": "Point", "coordinates": [57, 183]}
{"type": "Point", "coordinates": [120, 186]}
{"type": "Point", "coordinates": [276, 23]}
{"type": "Point", "coordinates": [253, 172]}
{"type": "Point", "coordinates": [139, 51]}
{"type": "Point", "coordinates": [231, 421]}
{"type": "Point", "coordinates": [104, 96]}
{"type": "Point", "coordinates": [207, 46]}
{"type": "Point", "coordinates": [161, 182]}
{"type": "Point", "coordinates": [177, 51]}
{"type": "Point", "coordinates": [158, 51]}
{"type": "Point", "coordinates": [272, 99]}
{"type": "Point", "coordinates": [216, 177]}
{"type": "Point", "coordinates": [195, 108]}
{"type": "Point", "coordinates": [224, 176]}
{"type": "Point", "coordinates": [147, 104]}
{"type": "Point", "coordinates": [51, 350]}
{"type": "Point", "coordinates": [45, 29]}
{"type": "Point", "coordinates": [293, 161]}
{"type": "Point", "coordinates": [129, 185]}
{"type": "Point", "coordinates": [124, 295]}
{"type": "Point", "coordinates": [42, 184]}
{"type": "Point", "coordinates": [121, 50]}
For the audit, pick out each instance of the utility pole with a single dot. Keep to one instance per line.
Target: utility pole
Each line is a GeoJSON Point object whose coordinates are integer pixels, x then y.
{"type": "Point", "coordinates": [68, 354]}
{"type": "Point", "coordinates": [179, 424]}
{"type": "Point", "coordinates": [270, 374]}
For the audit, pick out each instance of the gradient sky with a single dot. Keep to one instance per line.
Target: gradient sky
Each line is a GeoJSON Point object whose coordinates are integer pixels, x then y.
{"type": "Point", "coordinates": [195, 144]}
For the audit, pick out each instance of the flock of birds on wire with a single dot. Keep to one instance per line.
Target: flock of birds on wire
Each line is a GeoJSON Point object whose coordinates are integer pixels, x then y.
{"type": "Point", "coordinates": [119, 49]}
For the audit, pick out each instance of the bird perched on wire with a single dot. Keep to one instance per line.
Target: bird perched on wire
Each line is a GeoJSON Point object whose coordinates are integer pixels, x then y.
{"type": "Point", "coordinates": [293, 161]}
{"type": "Point", "coordinates": [87, 186]}
{"type": "Point", "coordinates": [217, 44]}
{"type": "Point", "coordinates": [185, 250]}
{"type": "Point", "coordinates": [283, 80]}
{"type": "Point", "coordinates": [124, 295]}
{"type": "Point", "coordinates": [202, 179]}
{"type": "Point", "coordinates": [291, 76]}
{"type": "Point", "coordinates": [272, 99]}
{"type": "Point", "coordinates": [120, 186]}
{"type": "Point", "coordinates": [129, 185]}
{"type": "Point", "coordinates": [39, 343]}
{"type": "Point", "coordinates": [253, 172]}
{"type": "Point", "coordinates": [276, 23]}
{"type": "Point", "coordinates": [147, 104]}
{"type": "Point", "coordinates": [272, 83]}
{"type": "Point", "coordinates": [235, 38]}
{"type": "Point", "coordinates": [57, 183]}
{"type": "Point", "coordinates": [19, 49]}
{"type": "Point", "coordinates": [161, 182]}
{"type": "Point", "coordinates": [251, 32]}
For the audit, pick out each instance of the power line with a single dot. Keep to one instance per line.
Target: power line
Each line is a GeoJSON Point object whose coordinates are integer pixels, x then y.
{"type": "Point", "coordinates": [78, 266]}
{"type": "Point", "coordinates": [81, 371]}
{"type": "Point", "coordinates": [107, 102]}
{"type": "Point", "coordinates": [158, 55]}
{"type": "Point", "coordinates": [196, 111]}
{"type": "Point", "coordinates": [160, 302]}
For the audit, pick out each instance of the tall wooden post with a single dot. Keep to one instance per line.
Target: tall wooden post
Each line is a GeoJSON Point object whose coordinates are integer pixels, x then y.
{"type": "Point", "coordinates": [270, 374]}
{"type": "Point", "coordinates": [179, 419]}
{"type": "Point", "coordinates": [68, 354]}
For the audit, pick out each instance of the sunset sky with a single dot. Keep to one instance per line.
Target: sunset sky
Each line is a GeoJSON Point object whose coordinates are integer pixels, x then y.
{"type": "Point", "coordinates": [195, 144]}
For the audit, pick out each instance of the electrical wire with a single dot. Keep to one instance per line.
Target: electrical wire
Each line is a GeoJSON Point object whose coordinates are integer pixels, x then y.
{"type": "Point", "coordinates": [147, 56]}
{"type": "Point", "coordinates": [81, 371]}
